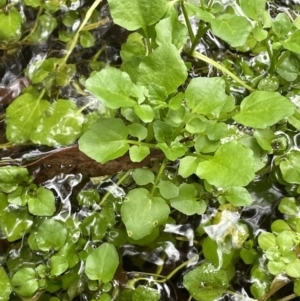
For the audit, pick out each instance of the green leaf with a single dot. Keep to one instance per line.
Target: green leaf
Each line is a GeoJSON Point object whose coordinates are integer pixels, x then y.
{"type": "Point", "coordinates": [16, 198]}
{"type": "Point", "coordinates": [206, 283]}
{"type": "Point", "coordinates": [137, 130]}
{"type": "Point", "coordinates": [42, 203]}
{"type": "Point", "coordinates": [231, 165]}
{"type": "Point", "coordinates": [5, 285]}
{"type": "Point", "coordinates": [145, 293]}
{"type": "Point", "coordinates": [237, 196]}
{"type": "Point", "coordinates": [113, 88]}
{"type": "Point", "coordinates": [289, 167]}
{"type": "Point", "coordinates": [279, 225]}
{"type": "Point", "coordinates": [168, 189]}
{"type": "Point", "coordinates": [266, 240]}
{"type": "Point", "coordinates": [288, 206]}
{"type": "Point", "coordinates": [253, 9]}
{"type": "Point", "coordinates": [275, 267]}
{"type": "Point", "coordinates": [50, 235]}
{"type": "Point", "coordinates": [133, 47]}
{"type": "Point", "coordinates": [86, 39]}
{"type": "Point", "coordinates": [292, 43]}
{"type": "Point", "coordinates": [293, 269]}
{"type": "Point", "coordinates": [58, 265]}
{"type": "Point", "coordinates": [135, 14]}
{"type": "Point", "coordinates": [187, 166]}
{"type": "Point", "coordinates": [187, 201]}
{"type": "Point", "coordinates": [25, 282]}
{"type": "Point", "coordinates": [142, 213]}
{"type": "Point", "coordinates": [264, 138]}
{"type": "Point", "coordinates": [162, 131]}
{"type": "Point", "coordinates": [232, 29]}
{"type": "Point", "coordinates": [144, 112]}
{"type": "Point", "coordinates": [21, 115]}
{"type": "Point", "coordinates": [138, 153]}
{"type": "Point", "coordinates": [60, 124]}
{"type": "Point", "coordinates": [172, 152]}
{"type": "Point", "coordinates": [171, 31]}
{"type": "Point", "coordinates": [105, 140]}
{"type": "Point", "coordinates": [282, 25]}
{"type": "Point", "coordinates": [102, 263]}
{"type": "Point", "coordinates": [163, 67]}
{"type": "Point", "coordinates": [10, 25]}
{"type": "Point", "coordinates": [262, 109]}
{"type": "Point", "coordinates": [13, 174]}
{"type": "Point", "coordinates": [143, 176]}
{"type": "Point", "coordinates": [205, 95]}
{"type": "Point", "coordinates": [297, 287]}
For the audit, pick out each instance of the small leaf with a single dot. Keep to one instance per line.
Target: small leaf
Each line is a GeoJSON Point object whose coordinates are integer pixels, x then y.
{"type": "Point", "coordinates": [172, 152]}
{"type": "Point", "coordinates": [137, 130]}
{"type": "Point", "coordinates": [276, 267]}
{"type": "Point", "coordinates": [204, 95]}
{"type": "Point", "coordinates": [266, 240]}
{"type": "Point", "coordinates": [293, 269]}
{"type": "Point", "coordinates": [142, 213]}
{"type": "Point", "coordinates": [168, 189]}
{"type": "Point", "coordinates": [102, 263]}
{"type": "Point", "coordinates": [138, 153]}
{"type": "Point", "coordinates": [42, 203]}
{"type": "Point", "coordinates": [289, 167]}
{"type": "Point", "coordinates": [187, 166]}
{"type": "Point", "coordinates": [288, 206]}
{"type": "Point", "coordinates": [10, 25]}
{"type": "Point", "coordinates": [232, 29]}
{"type": "Point", "coordinates": [253, 9]}
{"type": "Point", "coordinates": [25, 282]}
{"type": "Point", "coordinates": [135, 14]}
{"type": "Point", "coordinates": [262, 109]}
{"type": "Point", "coordinates": [105, 140]}
{"type": "Point", "coordinates": [145, 293]}
{"type": "Point", "coordinates": [5, 285]}
{"type": "Point", "coordinates": [144, 112]}
{"type": "Point", "coordinates": [58, 265]}
{"type": "Point", "coordinates": [292, 43]}
{"type": "Point", "coordinates": [225, 169]}
{"type": "Point", "coordinates": [143, 176]}
{"type": "Point", "coordinates": [113, 88]}
{"type": "Point", "coordinates": [282, 25]}
{"type": "Point", "coordinates": [86, 39]}
{"type": "Point", "coordinates": [163, 67]}
{"type": "Point", "coordinates": [21, 116]}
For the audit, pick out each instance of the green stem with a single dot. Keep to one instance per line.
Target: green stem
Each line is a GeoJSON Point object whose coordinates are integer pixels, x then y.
{"type": "Point", "coordinates": [202, 29]}
{"type": "Point", "coordinates": [74, 41]}
{"type": "Point", "coordinates": [149, 48]}
{"type": "Point", "coordinates": [282, 58]}
{"type": "Point", "coordinates": [161, 170]}
{"type": "Point", "coordinates": [270, 54]}
{"type": "Point", "coordinates": [35, 24]}
{"type": "Point", "coordinates": [187, 21]}
{"type": "Point", "coordinates": [122, 179]}
{"type": "Point", "coordinates": [206, 59]}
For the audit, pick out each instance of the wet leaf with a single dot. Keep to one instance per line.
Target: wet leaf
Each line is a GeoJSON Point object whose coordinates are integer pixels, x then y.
{"type": "Point", "coordinates": [288, 206]}
{"type": "Point", "coordinates": [135, 14]}
{"type": "Point", "coordinates": [264, 138]}
{"type": "Point", "coordinates": [262, 109]}
{"type": "Point", "coordinates": [237, 196]}
{"type": "Point", "coordinates": [231, 165]}
{"type": "Point", "coordinates": [113, 88]}
{"type": "Point", "coordinates": [102, 263]}
{"type": "Point", "coordinates": [163, 67]}
{"type": "Point", "coordinates": [21, 116]}
{"type": "Point", "coordinates": [232, 29]}
{"type": "Point", "coordinates": [60, 124]}
{"type": "Point", "coordinates": [58, 265]}
{"type": "Point", "coordinates": [206, 283]}
{"type": "Point", "coordinates": [5, 285]}
{"type": "Point", "coordinates": [187, 201]}
{"type": "Point", "coordinates": [10, 25]}
{"type": "Point", "coordinates": [142, 213]}
{"type": "Point", "coordinates": [105, 140]}
{"type": "Point", "coordinates": [145, 293]}
{"type": "Point", "coordinates": [51, 235]}
{"type": "Point", "coordinates": [205, 95]}
{"type": "Point", "coordinates": [289, 167]}
{"type": "Point", "coordinates": [25, 282]}
{"type": "Point", "coordinates": [42, 202]}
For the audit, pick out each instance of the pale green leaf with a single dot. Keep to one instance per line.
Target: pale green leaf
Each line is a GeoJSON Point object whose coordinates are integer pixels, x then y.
{"type": "Point", "coordinates": [10, 25]}
{"type": "Point", "coordinates": [144, 112]}
{"type": "Point", "coordinates": [138, 153]}
{"type": "Point", "coordinates": [142, 213]}
{"type": "Point", "coordinates": [187, 166]}
{"type": "Point", "coordinates": [58, 265]}
{"type": "Point", "coordinates": [262, 109]}
{"type": "Point", "coordinates": [102, 263]}
{"type": "Point", "coordinates": [168, 189]}
{"type": "Point", "coordinates": [231, 165]}
{"type": "Point", "coordinates": [25, 282]}
{"type": "Point", "coordinates": [42, 202]}
{"type": "Point", "coordinates": [135, 14]}
{"type": "Point", "coordinates": [237, 196]}
{"type": "Point", "coordinates": [292, 43]}
{"type": "Point", "coordinates": [143, 176]}
{"type": "Point", "coordinates": [267, 240]}
{"type": "Point", "coordinates": [289, 167]}
{"type": "Point", "coordinates": [254, 8]}
{"type": "Point", "coordinates": [145, 293]}
{"type": "Point", "coordinates": [105, 140]}
{"type": "Point", "coordinates": [5, 285]}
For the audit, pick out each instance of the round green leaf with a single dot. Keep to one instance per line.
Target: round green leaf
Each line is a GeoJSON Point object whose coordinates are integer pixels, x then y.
{"type": "Point", "coordinates": [58, 265]}
{"type": "Point", "coordinates": [276, 267]}
{"type": "Point", "coordinates": [10, 25]}
{"type": "Point", "coordinates": [102, 263]}
{"type": "Point", "coordinates": [143, 176]}
{"type": "Point", "coordinates": [42, 203]}
{"type": "Point", "coordinates": [25, 282]}
{"type": "Point", "coordinates": [293, 269]}
{"type": "Point", "coordinates": [289, 167]}
{"type": "Point", "coordinates": [168, 189]}
{"type": "Point", "coordinates": [138, 153]}
{"type": "Point", "coordinates": [145, 293]}
{"type": "Point", "coordinates": [237, 196]}
{"type": "Point", "coordinates": [266, 240]}
{"type": "Point", "coordinates": [5, 285]}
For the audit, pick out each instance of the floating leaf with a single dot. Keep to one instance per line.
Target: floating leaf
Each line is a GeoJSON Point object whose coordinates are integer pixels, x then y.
{"type": "Point", "coordinates": [289, 167]}
{"type": "Point", "coordinates": [42, 202]}
{"type": "Point", "coordinates": [163, 67]}
{"type": "Point", "coordinates": [206, 283]}
{"type": "Point", "coordinates": [231, 165]}
{"type": "Point", "coordinates": [262, 109]}
{"type": "Point", "coordinates": [142, 213]}
{"type": "Point", "coordinates": [205, 95]}
{"type": "Point", "coordinates": [232, 29]}
{"type": "Point", "coordinates": [105, 140]}
{"type": "Point", "coordinates": [61, 124]}
{"type": "Point", "coordinates": [135, 14]}
{"type": "Point", "coordinates": [102, 263]}
{"type": "Point", "coordinates": [21, 116]}
{"type": "Point", "coordinates": [145, 293]}
{"type": "Point", "coordinates": [113, 88]}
